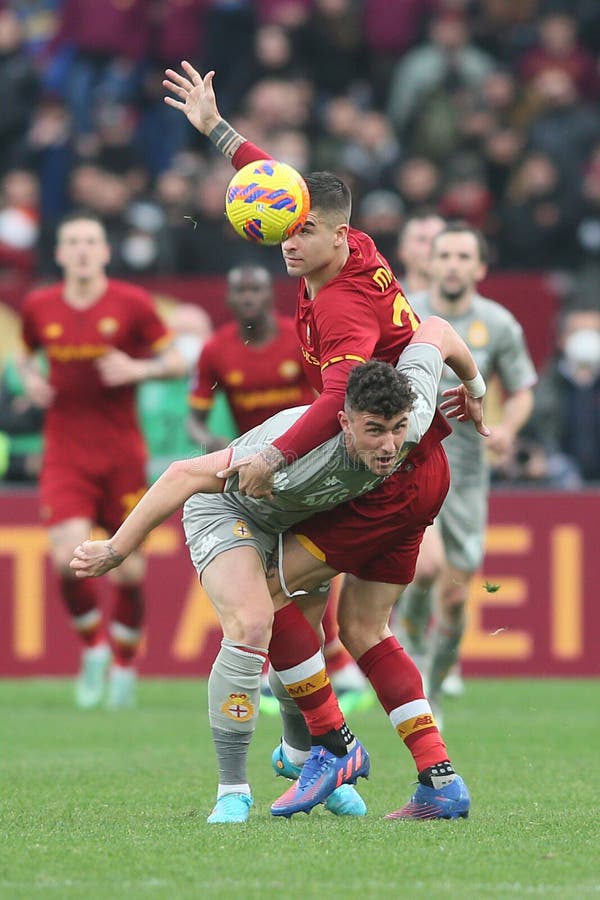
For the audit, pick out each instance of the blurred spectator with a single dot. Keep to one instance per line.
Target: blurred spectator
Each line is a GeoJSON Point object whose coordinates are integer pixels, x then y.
{"type": "Point", "coordinates": [413, 251]}
{"type": "Point", "coordinates": [419, 182]}
{"type": "Point", "coordinates": [467, 197]}
{"type": "Point", "coordinates": [588, 228]}
{"type": "Point", "coordinates": [564, 430]}
{"type": "Point", "coordinates": [110, 42]}
{"type": "Point", "coordinates": [537, 217]}
{"type": "Point", "coordinates": [505, 28]}
{"type": "Point", "coordinates": [269, 55]}
{"type": "Point", "coordinates": [331, 45]}
{"type": "Point", "coordinates": [390, 30]}
{"type": "Point", "coordinates": [50, 150]}
{"type": "Point", "coordinates": [19, 90]}
{"type": "Point", "coordinates": [429, 80]}
{"type": "Point", "coordinates": [559, 49]}
{"type": "Point", "coordinates": [381, 213]}
{"type": "Point", "coordinates": [19, 220]}
{"type": "Point", "coordinates": [565, 128]}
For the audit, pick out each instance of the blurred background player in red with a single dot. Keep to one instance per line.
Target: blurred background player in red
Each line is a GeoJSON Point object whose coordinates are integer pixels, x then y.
{"type": "Point", "coordinates": [101, 337]}
{"type": "Point", "coordinates": [256, 361]}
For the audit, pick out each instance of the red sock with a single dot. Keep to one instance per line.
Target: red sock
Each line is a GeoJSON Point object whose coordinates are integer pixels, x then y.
{"type": "Point", "coordinates": [294, 645]}
{"type": "Point", "coordinates": [80, 597]}
{"type": "Point", "coordinates": [126, 622]}
{"type": "Point", "coordinates": [399, 687]}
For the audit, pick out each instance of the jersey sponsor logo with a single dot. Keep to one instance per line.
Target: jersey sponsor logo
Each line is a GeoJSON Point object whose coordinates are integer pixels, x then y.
{"type": "Point", "coordinates": [417, 723]}
{"type": "Point", "coordinates": [477, 334]}
{"type": "Point", "coordinates": [234, 378]}
{"type": "Point", "coordinates": [240, 529]}
{"type": "Point", "coordinates": [238, 707]}
{"type": "Point", "coordinates": [108, 325]}
{"type": "Point", "coordinates": [53, 330]}
{"type": "Point", "coordinates": [289, 369]}
{"type": "Point", "coordinates": [248, 400]}
{"type": "Point", "coordinates": [76, 352]}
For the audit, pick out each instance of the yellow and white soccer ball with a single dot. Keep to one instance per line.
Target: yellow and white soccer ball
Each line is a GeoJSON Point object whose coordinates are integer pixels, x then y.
{"type": "Point", "coordinates": [267, 201]}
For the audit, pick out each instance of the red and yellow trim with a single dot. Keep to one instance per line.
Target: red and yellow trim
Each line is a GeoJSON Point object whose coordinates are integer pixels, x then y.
{"type": "Point", "coordinates": [336, 359]}
{"type": "Point", "coordinates": [311, 548]}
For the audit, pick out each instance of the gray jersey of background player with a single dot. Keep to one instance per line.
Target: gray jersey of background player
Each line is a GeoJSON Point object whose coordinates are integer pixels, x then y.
{"type": "Point", "coordinates": [319, 481]}
{"type": "Point", "coordinates": [497, 343]}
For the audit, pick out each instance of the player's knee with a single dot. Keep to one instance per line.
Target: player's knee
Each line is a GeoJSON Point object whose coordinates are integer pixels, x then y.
{"type": "Point", "coordinates": [358, 637]}
{"type": "Point", "coordinates": [253, 630]}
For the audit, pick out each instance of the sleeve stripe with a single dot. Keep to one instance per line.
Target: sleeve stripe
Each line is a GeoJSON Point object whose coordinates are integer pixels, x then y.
{"type": "Point", "coordinates": [335, 359]}
{"type": "Point", "coordinates": [200, 402]}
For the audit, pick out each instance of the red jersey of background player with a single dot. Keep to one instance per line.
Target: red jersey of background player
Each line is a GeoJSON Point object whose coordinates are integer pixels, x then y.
{"type": "Point", "coordinates": [360, 314]}
{"type": "Point", "coordinates": [88, 419]}
{"type": "Point", "coordinates": [259, 380]}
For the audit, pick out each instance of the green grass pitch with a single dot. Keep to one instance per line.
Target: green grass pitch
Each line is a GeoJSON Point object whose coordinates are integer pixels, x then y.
{"type": "Point", "coordinates": [113, 805]}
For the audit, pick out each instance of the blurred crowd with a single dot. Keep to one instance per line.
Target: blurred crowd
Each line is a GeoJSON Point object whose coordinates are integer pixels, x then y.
{"type": "Point", "coordinates": [486, 109]}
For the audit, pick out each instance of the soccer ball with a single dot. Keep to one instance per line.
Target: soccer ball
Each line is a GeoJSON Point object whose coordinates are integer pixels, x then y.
{"type": "Point", "coordinates": [267, 201]}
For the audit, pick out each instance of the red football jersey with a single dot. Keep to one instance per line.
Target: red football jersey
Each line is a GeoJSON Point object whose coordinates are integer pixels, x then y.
{"type": "Point", "coordinates": [360, 314]}
{"type": "Point", "coordinates": [259, 381]}
{"type": "Point", "coordinates": [87, 418]}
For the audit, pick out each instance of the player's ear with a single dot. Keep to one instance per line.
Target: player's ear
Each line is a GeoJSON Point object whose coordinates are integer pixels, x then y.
{"type": "Point", "coordinates": [341, 234]}
{"type": "Point", "coordinates": [343, 420]}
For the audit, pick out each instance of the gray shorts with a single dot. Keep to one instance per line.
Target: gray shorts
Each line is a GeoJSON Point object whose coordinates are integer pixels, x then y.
{"type": "Point", "coordinates": [462, 521]}
{"type": "Point", "coordinates": [214, 523]}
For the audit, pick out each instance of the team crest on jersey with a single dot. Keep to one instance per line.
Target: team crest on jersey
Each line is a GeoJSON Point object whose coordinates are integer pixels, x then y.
{"type": "Point", "coordinates": [477, 334]}
{"type": "Point", "coordinates": [53, 330]}
{"type": "Point", "coordinates": [108, 325]}
{"type": "Point", "coordinates": [238, 707]}
{"type": "Point", "coordinates": [240, 529]}
{"type": "Point", "coordinates": [289, 369]}
{"type": "Point", "coordinates": [234, 377]}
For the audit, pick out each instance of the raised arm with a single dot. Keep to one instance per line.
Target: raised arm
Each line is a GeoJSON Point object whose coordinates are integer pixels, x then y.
{"type": "Point", "coordinates": [180, 481]}
{"type": "Point", "coordinates": [195, 98]}
{"type": "Point", "coordinates": [464, 402]}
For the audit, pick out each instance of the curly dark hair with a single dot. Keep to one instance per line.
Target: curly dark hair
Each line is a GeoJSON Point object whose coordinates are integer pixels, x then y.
{"type": "Point", "coordinates": [329, 194]}
{"type": "Point", "coordinates": [377, 387]}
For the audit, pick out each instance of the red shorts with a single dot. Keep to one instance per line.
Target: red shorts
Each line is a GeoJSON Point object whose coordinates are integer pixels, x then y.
{"type": "Point", "coordinates": [105, 496]}
{"type": "Point", "coordinates": [377, 536]}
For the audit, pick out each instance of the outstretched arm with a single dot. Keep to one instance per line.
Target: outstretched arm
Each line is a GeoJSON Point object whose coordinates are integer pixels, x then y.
{"type": "Point", "coordinates": [464, 402]}
{"type": "Point", "coordinates": [180, 481]}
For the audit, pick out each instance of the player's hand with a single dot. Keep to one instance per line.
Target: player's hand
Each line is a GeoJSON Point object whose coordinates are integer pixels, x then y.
{"type": "Point", "coordinates": [117, 368]}
{"type": "Point", "coordinates": [195, 96]}
{"type": "Point", "coordinates": [501, 443]}
{"type": "Point", "coordinates": [93, 558]}
{"type": "Point", "coordinates": [38, 389]}
{"type": "Point", "coordinates": [256, 473]}
{"type": "Point", "coordinates": [460, 405]}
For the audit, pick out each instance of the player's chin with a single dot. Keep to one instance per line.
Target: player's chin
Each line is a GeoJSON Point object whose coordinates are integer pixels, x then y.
{"type": "Point", "coordinates": [383, 466]}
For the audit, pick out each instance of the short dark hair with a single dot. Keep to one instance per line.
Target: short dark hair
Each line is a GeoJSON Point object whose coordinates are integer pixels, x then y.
{"type": "Point", "coordinates": [377, 387]}
{"type": "Point", "coordinates": [77, 215]}
{"type": "Point", "coordinates": [329, 194]}
{"type": "Point", "coordinates": [460, 226]}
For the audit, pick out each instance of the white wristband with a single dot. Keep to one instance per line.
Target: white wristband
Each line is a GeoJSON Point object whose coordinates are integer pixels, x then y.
{"type": "Point", "coordinates": [475, 386]}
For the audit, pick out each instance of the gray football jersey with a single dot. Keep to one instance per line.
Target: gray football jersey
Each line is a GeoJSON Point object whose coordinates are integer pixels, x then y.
{"type": "Point", "coordinates": [326, 476]}
{"type": "Point", "coordinates": [496, 340]}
